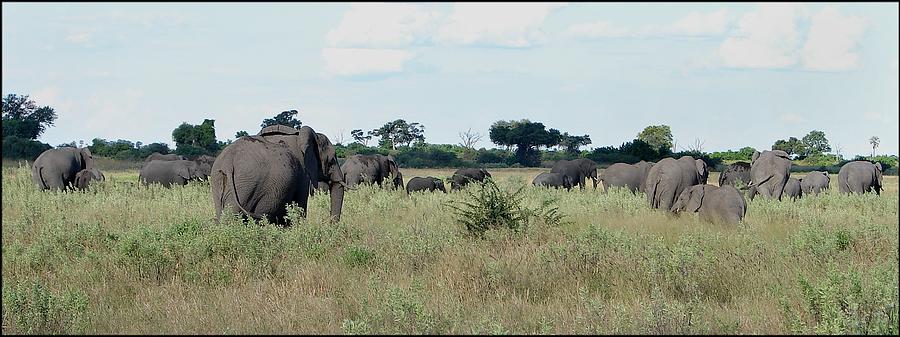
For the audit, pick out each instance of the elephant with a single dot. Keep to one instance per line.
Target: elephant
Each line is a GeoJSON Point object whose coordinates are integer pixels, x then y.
{"type": "Point", "coordinates": [56, 168]}
{"type": "Point", "coordinates": [371, 169]}
{"type": "Point", "coordinates": [792, 189]}
{"type": "Point", "coordinates": [83, 179]}
{"type": "Point", "coordinates": [860, 177]}
{"type": "Point", "coordinates": [169, 172]}
{"type": "Point", "coordinates": [204, 165]}
{"type": "Point", "coordinates": [669, 177]}
{"type": "Point", "coordinates": [633, 177]}
{"type": "Point", "coordinates": [814, 182]}
{"type": "Point", "coordinates": [556, 180]}
{"type": "Point", "coordinates": [736, 172]}
{"type": "Point", "coordinates": [160, 156]}
{"type": "Point", "coordinates": [578, 170]}
{"type": "Point", "coordinates": [769, 172]}
{"type": "Point", "coordinates": [464, 176]}
{"type": "Point", "coordinates": [714, 203]}
{"type": "Point", "coordinates": [425, 184]}
{"type": "Point", "coordinates": [257, 176]}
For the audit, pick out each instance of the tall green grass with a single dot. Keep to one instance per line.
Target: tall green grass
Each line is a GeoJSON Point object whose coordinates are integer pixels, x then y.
{"type": "Point", "coordinates": [122, 258]}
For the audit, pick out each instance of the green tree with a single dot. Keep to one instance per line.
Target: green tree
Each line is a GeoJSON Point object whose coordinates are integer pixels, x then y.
{"type": "Point", "coordinates": [399, 132]}
{"type": "Point", "coordinates": [24, 119]}
{"type": "Point", "coordinates": [359, 137]}
{"type": "Point", "coordinates": [658, 136]}
{"type": "Point", "coordinates": [285, 118]}
{"type": "Point", "coordinates": [573, 143]}
{"type": "Point", "coordinates": [815, 143]}
{"type": "Point", "coordinates": [240, 134]}
{"type": "Point", "coordinates": [526, 136]}
{"type": "Point", "coordinates": [192, 140]}
{"type": "Point", "coordinates": [792, 146]}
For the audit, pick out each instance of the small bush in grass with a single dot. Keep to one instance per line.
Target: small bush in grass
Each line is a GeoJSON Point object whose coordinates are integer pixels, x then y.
{"type": "Point", "coordinates": [486, 206]}
{"type": "Point", "coordinates": [32, 308]}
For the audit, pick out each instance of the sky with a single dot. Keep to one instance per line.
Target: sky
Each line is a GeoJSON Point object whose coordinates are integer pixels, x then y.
{"type": "Point", "coordinates": [727, 75]}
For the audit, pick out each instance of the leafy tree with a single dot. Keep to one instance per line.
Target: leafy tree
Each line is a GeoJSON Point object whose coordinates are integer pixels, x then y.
{"type": "Point", "coordinates": [240, 134]}
{"type": "Point", "coordinates": [285, 118]}
{"type": "Point", "coordinates": [24, 119]}
{"type": "Point", "coordinates": [526, 136]}
{"type": "Point", "coordinates": [815, 143]}
{"type": "Point", "coordinates": [359, 137]}
{"type": "Point", "coordinates": [399, 132]}
{"type": "Point", "coordinates": [792, 146]}
{"type": "Point", "coordinates": [573, 143]}
{"type": "Point", "coordinates": [658, 136]}
{"type": "Point", "coordinates": [192, 140]}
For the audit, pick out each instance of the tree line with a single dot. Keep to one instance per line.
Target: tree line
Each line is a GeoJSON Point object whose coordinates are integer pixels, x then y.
{"type": "Point", "coordinates": [525, 143]}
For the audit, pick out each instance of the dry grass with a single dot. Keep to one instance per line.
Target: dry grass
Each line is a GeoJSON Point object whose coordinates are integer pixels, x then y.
{"type": "Point", "coordinates": [125, 259]}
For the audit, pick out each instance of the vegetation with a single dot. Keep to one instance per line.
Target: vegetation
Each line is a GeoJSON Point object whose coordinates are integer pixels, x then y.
{"type": "Point", "coordinates": [659, 137]}
{"type": "Point", "coordinates": [194, 140]}
{"type": "Point", "coordinates": [23, 122]}
{"type": "Point", "coordinates": [286, 118]}
{"type": "Point", "coordinates": [127, 260]}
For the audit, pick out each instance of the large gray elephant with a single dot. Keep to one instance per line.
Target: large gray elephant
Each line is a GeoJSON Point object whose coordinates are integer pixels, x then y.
{"type": "Point", "coordinates": [556, 180]}
{"type": "Point", "coordinates": [464, 176]}
{"type": "Point", "coordinates": [169, 172]}
{"type": "Point", "coordinates": [814, 182]}
{"type": "Point", "coordinates": [769, 172]}
{"type": "Point", "coordinates": [792, 189]}
{"type": "Point", "coordinates": [669, 177]}
{"type": "Point", "coordinates": [160, 156]}
{"type": "Point", "coordinates": [735, 173]}
{"type": "Point", "coordinates": [257, 176]}
{"type": "Point", "coordinates": [578, 170]}
{"type": "Point", "coordinates": [56, 168]}
{"type": "Point", "coordinates": [372, 169]}
{"type": "Point", "coordinates": [714, 203]}
{"type": "Point", "coordinates": [204, 165]}
{"type": "Point", "coordinates": [425, 184]}
{"type": "Point", "coordinates": [860, 177]}
{"type": "Point", "coordinates": [630, 176]}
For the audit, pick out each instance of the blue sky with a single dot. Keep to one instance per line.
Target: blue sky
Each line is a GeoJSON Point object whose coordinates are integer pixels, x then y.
{"type": "Point", "coordinates": [730, 75]}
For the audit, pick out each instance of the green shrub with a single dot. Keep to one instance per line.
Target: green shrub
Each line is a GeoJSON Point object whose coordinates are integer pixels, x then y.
{"type": "Point", "coordinates": [31, 308]}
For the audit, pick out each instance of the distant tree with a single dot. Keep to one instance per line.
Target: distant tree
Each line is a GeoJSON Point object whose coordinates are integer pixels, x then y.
{"type": "Point", "coordinates": [24, 119]}
{"type": "Point", "coordinates": [815, 143]}
{"type": "Point", "coordinates": [285, 118]}
{"type": "Point", "coordinates": [359, 137]}
{"type": "Point", "coordinates": [240, 134]}
{"type": "Point", "coordinates": [192, 140]}
{"type": "Point", "coordinates": [469, 139]}
{"type": "Point", "coordinates": [697, 146]}
{"type": "Point", "coordinates": [573, 143]}
{"type": "Point", "coordinates": [658, 136]}
{"type": "Point", "coordinates": [793, 146]}
{"type": "Point", "coordinates": [70, 144]}
{"type": "Point", "coordinates": [526, 136]}
{"type": "Point", "coordinates": [875, 141]}
{"type": "Point", "coordinates": [399, 132]}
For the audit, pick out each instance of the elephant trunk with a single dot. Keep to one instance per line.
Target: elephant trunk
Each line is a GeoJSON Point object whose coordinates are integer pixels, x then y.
{"type": "Point", "coordinates": [337, 200]}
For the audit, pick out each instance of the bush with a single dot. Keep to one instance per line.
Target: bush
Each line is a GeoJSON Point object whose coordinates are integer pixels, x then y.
{"type": "Point", "coordinates": [20, 148]}
{"type": "Point", "coordinates": [429, 156]}
{"type": "Point", "coordinates": [492, 208]}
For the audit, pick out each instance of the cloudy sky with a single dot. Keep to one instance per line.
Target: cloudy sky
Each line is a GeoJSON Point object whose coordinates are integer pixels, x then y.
{"type": "Point", "coordinates": [730, 75]}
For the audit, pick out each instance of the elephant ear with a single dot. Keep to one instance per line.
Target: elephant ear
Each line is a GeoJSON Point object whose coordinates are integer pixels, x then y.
{"type": "Point", "coordinates": [183, 171]}
{"type": "Point", "coordinates": [309, 147]}
{"type": "Point", "coordinates": [878, 167]}
{"type": "Point", "coordinates": [329, 168]}
{"type": "Point", "coordinates": [696, 200]}
{"type": "Point", "coordinates": [278, 130]}
{"type": "Point", "coordinates": [754, 156]}
{"type": "Point", "coordinates": [701, 167]}
{"type": "Point", "coordinates": [87, 159]}
{"type": "Point", "coordinates": [781, 154]}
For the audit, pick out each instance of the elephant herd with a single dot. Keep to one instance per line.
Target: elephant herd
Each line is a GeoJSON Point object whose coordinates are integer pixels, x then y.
{"type": "Point", "coordinates": [258, 176]}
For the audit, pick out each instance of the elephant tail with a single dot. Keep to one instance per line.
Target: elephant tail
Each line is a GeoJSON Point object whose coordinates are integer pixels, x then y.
{"type": "Point", "coordinates": [40, 175]}
{"type": "Point", "coordinates": [234, 190]}
{"type": "Point", "coordinates": [651, 194]}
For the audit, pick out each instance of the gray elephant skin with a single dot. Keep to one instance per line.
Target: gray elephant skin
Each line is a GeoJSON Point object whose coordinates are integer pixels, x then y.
{"type": "Point", "coordinates": [734, 173]}
{"type": "Point", "coordinates": [204, 165]}
{"type": "Point", "coordinates": [860, 177]}
{"type": "Point", "coordinates": [56, 168]}
{"type": "Point", "coordinates": [371, 169]}
{"type": "Point", "coordinates": [714, 203]}
{"type": "Point", "coordinates": [578, 170]}
{"type": "Point", "coordinates": [464, 176]}
{"type": "Point", "coordinates": [769, 172]}
{"type": "Point", "coordinates": [549, 179]}
{"type": "Point", "coordinates": [425, 184]}
{"type": "Point", "coordinates": [159, 156]}
{"type": "Point", "coordinates": [669, 177]}
{"type": "Point", "coordinates": [814, 182]}
{"type": "Point", "coordinates": [630, 176]}
{"type": "Point", "coordinates": [257, 176]}
{"type": "Point", "coordinates": [792, 189]}
{"type": "Point", "coordinates": [169, 172]}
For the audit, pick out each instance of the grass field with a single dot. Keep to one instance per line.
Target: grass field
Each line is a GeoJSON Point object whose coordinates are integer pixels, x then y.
{"type": "Point", "coordinates": [126, 259]}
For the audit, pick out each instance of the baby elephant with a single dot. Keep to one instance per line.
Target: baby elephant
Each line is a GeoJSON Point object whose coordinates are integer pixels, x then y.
{"type": "Point", "coordinates": [792, 189]}
{"type": "Point", "coordinates": [553, 180]}
{"type": "Point", "coordinates": [714, 203]}
{"type": "Point", "coordinates": [83, 179]}
{"type": "Point", "coordinates": [425, 184]}
{"type": "Point", "coordinates": [814, 182]}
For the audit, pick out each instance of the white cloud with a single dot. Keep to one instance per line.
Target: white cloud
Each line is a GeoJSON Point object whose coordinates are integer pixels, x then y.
{"type": "Point", "coordinates": [766, 38]}
{"type": "Point", "coordinates": [694, 24]}
{"type": "Point", "coordinates": [599, 29]}
{"type": "Point", "coordinates": [831, 38]}
{"type": "Point", "coordinates": [361, 61]}
{"type": "Point", "coordinates": [700, 24]}
{"type": "Point", "coordinates": [791, 118]}
{"type": "Point", "coordinates": [391, 25]}
{"type": "Point", "coordinates": [496, 24]}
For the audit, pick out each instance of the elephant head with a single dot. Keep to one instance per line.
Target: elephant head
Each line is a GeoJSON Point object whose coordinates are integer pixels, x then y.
{"type": "Point", "coordinates": [394, 170]}
{"type": "Point", "coordinates": [690, 199]}
{"type": "Point", "coordinates": [86, 159]}
{"type": "Point", "coordinates": [330, 173]}
{"type": "Point", "coordinates": [879, 175]}
{"type": "Point", "coordinates": [702, 170]}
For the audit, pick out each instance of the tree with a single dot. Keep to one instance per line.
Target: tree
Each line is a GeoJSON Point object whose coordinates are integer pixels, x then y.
{"type": "Point", "coordinates": [696, 147]}
{"type": "Point", "coordinates": [875, 141]}
{"type": "Point", "coordinates": [191, 140]}
{"type": "Point", "coordinates": [24, 119]}
{"type": "Point", "coordinates": [525, 135]}
{"type": "Point", "coordinates": [469, 139]}
{"type": "Point", "coordinates": [658, 136]}
{"type": "Point", "coordinates": [240, 134]}
{"type": "Point", "coordinates": [285, 118]}
{"type": "Point", "coordinates": [815, 143]}
{"type": "Point", "coordinates": [792, 146]}
{"type": "Point", "coordinates": [573, 143]}
{"type": "Point", "coordinates": [359, 137]}
{"type": "Point", "coordinates": [399, 132]}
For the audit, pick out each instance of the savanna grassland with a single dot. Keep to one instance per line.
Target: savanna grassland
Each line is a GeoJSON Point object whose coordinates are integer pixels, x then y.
{"type": "Point", "coordinates": [127, 259]}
